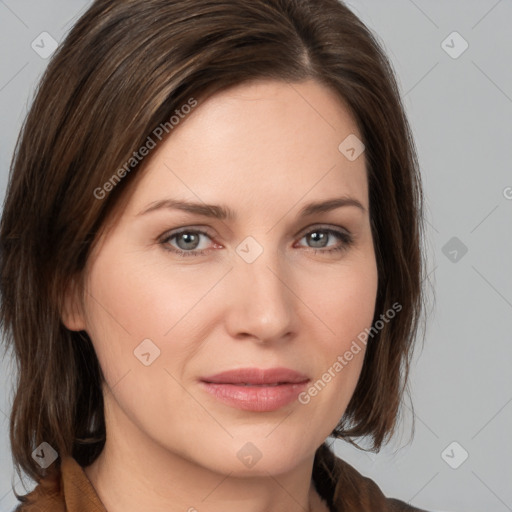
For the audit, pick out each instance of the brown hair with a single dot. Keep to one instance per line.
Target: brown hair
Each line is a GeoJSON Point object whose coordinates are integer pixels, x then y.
{"type": "Point", "coordinates": [124, 69]}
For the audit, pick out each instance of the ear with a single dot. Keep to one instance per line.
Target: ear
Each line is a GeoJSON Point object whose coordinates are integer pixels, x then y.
{"type": "Point", "coordinates": [71, 313]}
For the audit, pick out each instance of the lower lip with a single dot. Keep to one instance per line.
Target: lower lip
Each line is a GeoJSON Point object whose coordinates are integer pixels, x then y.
{"type": "Point", "coordinates": [255, 398]}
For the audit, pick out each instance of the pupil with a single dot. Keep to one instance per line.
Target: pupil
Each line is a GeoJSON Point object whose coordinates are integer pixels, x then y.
{"type": "Point", "coordinates": [189, 239]}
{"type": "Point", "coordinates": [319, 238]}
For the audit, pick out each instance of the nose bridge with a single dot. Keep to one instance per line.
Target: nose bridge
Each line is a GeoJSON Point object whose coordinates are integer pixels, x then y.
{"type": "Point", "coordinates": [263, 305]}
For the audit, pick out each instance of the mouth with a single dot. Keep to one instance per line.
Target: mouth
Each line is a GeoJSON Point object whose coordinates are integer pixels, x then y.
{"type": "Point", "coordinates": [254, 389]}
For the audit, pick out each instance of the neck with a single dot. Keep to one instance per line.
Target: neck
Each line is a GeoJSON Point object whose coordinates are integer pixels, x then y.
{"type": "Point", "coordinates": [134, 473]}
{"type": "Point", "coordinates": [135, 484]}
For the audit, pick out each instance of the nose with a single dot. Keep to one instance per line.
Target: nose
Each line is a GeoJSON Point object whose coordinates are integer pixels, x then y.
{"type": "Point", "coordinates": [261, 304]}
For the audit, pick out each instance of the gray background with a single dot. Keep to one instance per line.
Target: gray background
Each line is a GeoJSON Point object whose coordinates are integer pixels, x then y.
{"type": "Point", "coordinates": [460, 110]}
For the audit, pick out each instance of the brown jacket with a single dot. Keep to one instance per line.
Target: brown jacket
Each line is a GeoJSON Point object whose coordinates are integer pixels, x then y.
{"type": "Point", "coordinates": [342, 487]}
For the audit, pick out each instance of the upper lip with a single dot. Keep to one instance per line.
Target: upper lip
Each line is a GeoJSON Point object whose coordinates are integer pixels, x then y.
{"type": "Point", "coordinates": [257, 376]}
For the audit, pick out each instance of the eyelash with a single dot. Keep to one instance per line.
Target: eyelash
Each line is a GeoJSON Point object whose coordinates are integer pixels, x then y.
{"type": "Point", "coordinates": [346, 239]}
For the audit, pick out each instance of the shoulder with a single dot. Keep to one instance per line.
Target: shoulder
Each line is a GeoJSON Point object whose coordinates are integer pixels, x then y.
{"type": "Point", "coordinates": [66, 489]}
{"type": "Point", "coordinates": [47, 495]}
{"type": "Point", "coordinates": [345, 489]}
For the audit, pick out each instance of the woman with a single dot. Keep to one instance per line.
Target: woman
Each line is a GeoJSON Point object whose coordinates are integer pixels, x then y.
{"type": "Point", "coordinates": [210, 260]}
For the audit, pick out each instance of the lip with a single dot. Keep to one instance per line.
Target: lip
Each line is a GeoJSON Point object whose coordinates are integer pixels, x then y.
{"type": "Point", "coordinates": [255, 389]}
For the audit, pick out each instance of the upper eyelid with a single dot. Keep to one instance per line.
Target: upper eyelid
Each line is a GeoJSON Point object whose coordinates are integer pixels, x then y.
{"type": "Point", "coordinates": [321, 226]}
{"type": "Point", "coordinates": [205, 229]}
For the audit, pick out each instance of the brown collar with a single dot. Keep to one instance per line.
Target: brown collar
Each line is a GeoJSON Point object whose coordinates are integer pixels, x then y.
{"type": "Point", "coordinates": [344, 489]}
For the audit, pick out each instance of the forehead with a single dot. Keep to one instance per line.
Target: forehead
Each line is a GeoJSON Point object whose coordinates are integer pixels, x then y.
{"type": "Point", "coordinates": [257, 144]}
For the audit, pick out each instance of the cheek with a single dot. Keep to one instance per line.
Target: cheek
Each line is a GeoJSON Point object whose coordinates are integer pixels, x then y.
{"type": "Point", "coordinates": [343, 299]}
{"type": "Point", "coordinates": [132, 299]}
{"type": "Point", "coordinates": [345, 311]}
{"type": "Point", "coordinates": [136, 322]}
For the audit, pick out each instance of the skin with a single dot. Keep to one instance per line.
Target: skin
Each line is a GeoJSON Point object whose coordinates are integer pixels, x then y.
{"type": "Point", "coordinates": [263, 149]}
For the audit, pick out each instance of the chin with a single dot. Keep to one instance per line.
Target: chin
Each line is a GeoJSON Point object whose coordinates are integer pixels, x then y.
{"type": "Point", "coordinates": [256, 453]}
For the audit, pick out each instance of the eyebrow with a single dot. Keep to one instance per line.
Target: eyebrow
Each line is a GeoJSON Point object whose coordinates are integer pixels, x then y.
{"type": "Point", "coordinates": [225, 213]}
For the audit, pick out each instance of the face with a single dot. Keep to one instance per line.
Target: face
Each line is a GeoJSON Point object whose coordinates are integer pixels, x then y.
{"type": "Point", "coordinates": [262, 285]}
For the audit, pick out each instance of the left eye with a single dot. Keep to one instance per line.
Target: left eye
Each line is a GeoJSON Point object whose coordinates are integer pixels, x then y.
{"type": "Point", "coordinates": [187, 241]}
{"type": "Point", "coordinates": [320, 236]}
